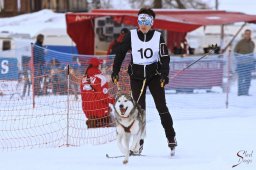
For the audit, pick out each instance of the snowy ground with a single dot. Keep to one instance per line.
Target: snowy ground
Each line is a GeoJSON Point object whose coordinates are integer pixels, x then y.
{"type": "Point", "coordinates": [209, 137]}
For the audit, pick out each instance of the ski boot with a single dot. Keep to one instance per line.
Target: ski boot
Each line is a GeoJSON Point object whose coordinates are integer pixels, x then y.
{"type": "Point", "coordinates": [172, 143]}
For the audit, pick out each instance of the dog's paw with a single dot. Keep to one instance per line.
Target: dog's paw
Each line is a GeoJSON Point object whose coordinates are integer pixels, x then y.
{"type": "Point", "coordinates": [135, 152]}
{"type": "Point", "coordinates": [125, 161]}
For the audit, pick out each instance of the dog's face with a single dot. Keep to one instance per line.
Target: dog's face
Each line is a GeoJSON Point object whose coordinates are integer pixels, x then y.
{"type": "Point", "coordinates": [124, 105]}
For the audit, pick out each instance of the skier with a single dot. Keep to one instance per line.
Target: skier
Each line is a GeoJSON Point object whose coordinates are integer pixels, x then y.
{"type": "Point", "coordinates": [149, 65]}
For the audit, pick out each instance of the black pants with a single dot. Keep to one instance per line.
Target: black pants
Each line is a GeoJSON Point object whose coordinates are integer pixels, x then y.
{"type": "Point", "coordinates": [158, 94]}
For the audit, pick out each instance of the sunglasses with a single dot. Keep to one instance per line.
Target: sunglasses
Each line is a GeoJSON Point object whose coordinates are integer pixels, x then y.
{"type": "Point", "coordinates": [145, 22]}
{"type": "Point", "coordinates": [144, 19]}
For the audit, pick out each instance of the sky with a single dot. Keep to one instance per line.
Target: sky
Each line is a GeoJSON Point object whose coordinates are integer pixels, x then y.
{"type": "Point", "coordinates": [245, 6]}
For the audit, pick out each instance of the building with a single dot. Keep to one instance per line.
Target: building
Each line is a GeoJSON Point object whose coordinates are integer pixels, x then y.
{"type": "Point", "coordinates": [15, 7]}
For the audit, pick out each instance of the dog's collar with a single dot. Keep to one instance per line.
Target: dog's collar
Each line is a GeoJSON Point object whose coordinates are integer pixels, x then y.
{"type": "Point", "coordinates": [124, 116]}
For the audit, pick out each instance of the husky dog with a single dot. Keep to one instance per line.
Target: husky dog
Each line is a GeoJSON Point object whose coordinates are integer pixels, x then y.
{"type": "Point", "coordinates": [130, 122]}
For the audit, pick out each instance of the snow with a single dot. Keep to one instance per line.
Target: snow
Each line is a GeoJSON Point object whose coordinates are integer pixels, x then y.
{"type": "Point", "coordinates": [209, 136]}
{"type": "Point", "coordinates": [34, 23]}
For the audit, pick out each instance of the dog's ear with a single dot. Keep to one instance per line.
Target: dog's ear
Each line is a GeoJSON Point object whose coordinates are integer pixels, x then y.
{"type": "Point", "coordinates": [111, 106]}
{"type": "Point", "coordinates": [129, 97]}
{"type": "Point", "coordinates": [117, 96]}
{"type": "Point", "coordinates": [111, 110]}
{"type": "Point", "coordinates": [137, 105]}
{"type": "Point", "coordinates": [132, 99]}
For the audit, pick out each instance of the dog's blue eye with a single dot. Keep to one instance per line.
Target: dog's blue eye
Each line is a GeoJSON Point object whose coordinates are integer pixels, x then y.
{"type": "Point", "coordinates": [125, 101]}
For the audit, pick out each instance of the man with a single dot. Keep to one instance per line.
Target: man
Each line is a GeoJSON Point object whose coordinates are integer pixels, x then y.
{"type": "Point", "coordinates": [114, 45]}
{"type": "Point", "coordinates": [149, 66]}
{"type": "Point", "coordinates": [244, 56]}
{"type": "Point", "coordinates": [38, 62]}
{"type": "Point", "coordinates": [75, 72]}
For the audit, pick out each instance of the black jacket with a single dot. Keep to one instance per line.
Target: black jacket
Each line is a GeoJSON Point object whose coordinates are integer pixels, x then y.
{"type": "Point", "coordinates": [137, 71]}
{"type": "Point", "coordinates": [38, 54]}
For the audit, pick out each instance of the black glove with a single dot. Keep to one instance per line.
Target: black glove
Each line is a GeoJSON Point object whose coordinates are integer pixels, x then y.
{"type": "Point", "coordinates": [164, 80]}
{"type": "Point", "coordinates": [114, 77]}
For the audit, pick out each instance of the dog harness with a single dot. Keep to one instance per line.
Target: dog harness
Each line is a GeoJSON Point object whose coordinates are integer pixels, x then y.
{"type": "Point", "coordinates": [128, 129]}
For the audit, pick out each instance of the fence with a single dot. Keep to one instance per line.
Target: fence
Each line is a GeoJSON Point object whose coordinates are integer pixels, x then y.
{"type": "Point", "coordinates": [41, 103]}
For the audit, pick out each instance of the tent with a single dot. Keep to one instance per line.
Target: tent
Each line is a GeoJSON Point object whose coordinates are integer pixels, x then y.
{"type": "Point", "coordinates": [80, 26]}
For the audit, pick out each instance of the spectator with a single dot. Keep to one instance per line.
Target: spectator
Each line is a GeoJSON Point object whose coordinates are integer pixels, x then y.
{"type": "Point", "coordinates": [95, 97]}
{"type": "Point", "coordinates": [184, 47]}
{"type": "Point", "coordinates": [244, 57]}
{"type": "Point", "coordinates": [116, 43]}
{"type": "Point", "coordinates": [176, 49]}
{"type": "Point", "coordinates": [58, 77]}
{"type": "Point", "coordinates": [75, 74]}
{"type": "Point", "coordinates": [38, 64]}
{"type": "Point", "coordinates": [26, 73]}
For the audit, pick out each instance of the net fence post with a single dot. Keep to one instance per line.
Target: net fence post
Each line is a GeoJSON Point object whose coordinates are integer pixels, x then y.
{"type": "Point", "coordinates": [228, 77]}
{"type": "Point", "coordinates": [33, 75]}
{"type": "Point", "coordinates": [68, 104]}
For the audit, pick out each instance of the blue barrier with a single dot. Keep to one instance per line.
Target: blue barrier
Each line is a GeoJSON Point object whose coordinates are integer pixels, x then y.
{"type": "Point", "coordinates": [62, 53]}
{"type": "Point", "coordinates": [8, 68]}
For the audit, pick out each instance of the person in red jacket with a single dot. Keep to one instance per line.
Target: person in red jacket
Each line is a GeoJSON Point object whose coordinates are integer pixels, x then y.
{"type": "Point", "coordinates": [95, 97]}
{"type": "Point", "coordinates": [114, 45]}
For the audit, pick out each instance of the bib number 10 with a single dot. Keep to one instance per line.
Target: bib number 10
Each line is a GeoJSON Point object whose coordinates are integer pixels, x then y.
{"type": "Point", "coordinates": [148, 53]}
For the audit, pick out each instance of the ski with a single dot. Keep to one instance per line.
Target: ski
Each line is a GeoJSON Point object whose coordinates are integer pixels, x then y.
{"type": "Point", "coordinates": [120, 156]}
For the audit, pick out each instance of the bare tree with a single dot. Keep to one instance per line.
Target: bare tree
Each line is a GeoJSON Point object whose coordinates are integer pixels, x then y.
{"type": "Point", "coordinates": [157, 4]}
{"type": "Point", "coordinates": [173, 4]}
{"type": "Point", "coordinates": [142, 3]}
{"type": "Point", "coordinates": [106, 4]}
{"type": "Point", "coordinates": [181, 5]}
{"type": "Point", "coordinates": [186, 4]}
{"type": "Point", "coordinates": [216, 4]}
{"type": "Point", "coordinates": [96, 4]}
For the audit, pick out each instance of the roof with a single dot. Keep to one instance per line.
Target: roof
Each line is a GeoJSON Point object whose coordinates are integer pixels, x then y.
{"type": "Point", "coordinates": [81, 28]}
{"type": "Point", "coordinates": [173, 20]}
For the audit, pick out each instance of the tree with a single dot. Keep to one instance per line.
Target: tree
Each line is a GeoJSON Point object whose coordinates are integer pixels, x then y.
{"type": "Point", "coordinates": [174, 4]}
{"type": "Point", "coordinates": [157, 4]}
{"type": "Point", "coordinates": [186, 4]}
{"type": "Point", "coordinates": [106, 4]}
{"type": "Point", "coordinates": [138, 4]}
{"type": "Point", "coordinates": [216, 4]}
{"type": "Point", "coordinates": [167, 4]}
{"type": "Point", "coordinates": [96, 4]}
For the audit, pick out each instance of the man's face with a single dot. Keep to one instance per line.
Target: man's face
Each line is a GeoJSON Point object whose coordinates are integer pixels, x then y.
{"type": "Point", "coordinates": [247, 35]}
{"type": "Point", "coordinates": [145, 22]}
{"type": "Point", "coordinates": [41, 40]}
{"type": "Point", "coordinates": [144, 28]}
